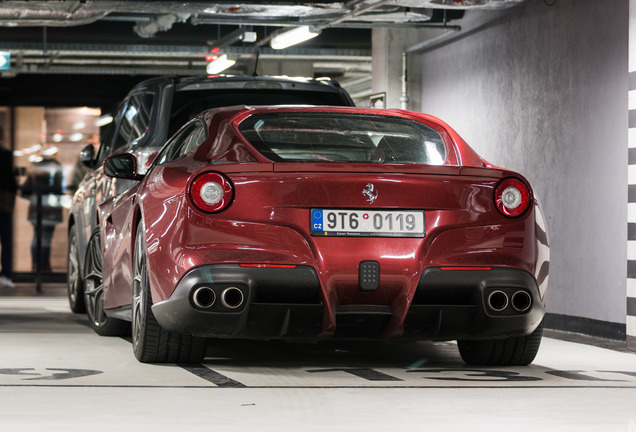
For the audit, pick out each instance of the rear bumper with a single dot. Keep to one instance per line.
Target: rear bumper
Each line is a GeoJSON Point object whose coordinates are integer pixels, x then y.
{"type": "Point", "coordinates": [454, 305]}
{"type": "Point", "coordinates": [286, 303]}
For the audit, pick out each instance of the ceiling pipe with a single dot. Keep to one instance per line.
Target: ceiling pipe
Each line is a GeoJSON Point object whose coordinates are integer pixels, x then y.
{"type": "Point", "coordinates": [355, 13]}
{"type": "Point", "coordinates": [429, 42]}
{"type": "Point", "coordinates": [404, 98]}
{"type": "Point", "coordinates": [334, 22]}
{"type": "Point", "coordinates": [240, 34]}
{"type": "Point", "coordinates": [148, 28]}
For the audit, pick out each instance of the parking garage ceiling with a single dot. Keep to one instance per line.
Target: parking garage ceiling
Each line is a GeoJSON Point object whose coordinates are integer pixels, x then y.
{"type": "Point", "coordinates": [66, 52]}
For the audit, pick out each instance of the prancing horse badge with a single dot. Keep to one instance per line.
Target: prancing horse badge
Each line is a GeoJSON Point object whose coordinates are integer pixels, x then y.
{"type": "Point", "coordinates": [370, 193]}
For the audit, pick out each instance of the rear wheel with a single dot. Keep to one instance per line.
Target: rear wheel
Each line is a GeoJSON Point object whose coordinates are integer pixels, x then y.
{"type": "Point", "coordinates": [151, 343]}
{"type": "Point", "coordinates": [94, 293]}
{"type": "Point", "coordinates": [513, 351]}
{"type": "Point", "coordinates": [74, 281]}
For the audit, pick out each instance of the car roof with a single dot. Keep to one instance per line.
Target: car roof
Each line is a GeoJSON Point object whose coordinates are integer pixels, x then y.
{"type": "Point", "coordinates": [240, 81]}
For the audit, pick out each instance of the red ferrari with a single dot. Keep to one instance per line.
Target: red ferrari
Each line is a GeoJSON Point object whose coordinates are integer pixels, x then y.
{"type": "Point", "coordinates": [313, 223]}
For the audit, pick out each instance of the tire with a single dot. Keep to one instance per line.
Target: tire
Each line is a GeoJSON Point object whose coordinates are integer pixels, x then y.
{"type": "Point", "coordinates": [94, 293]}
{"type": "Point", "coordinates": [513, 351]}
{"type": "Point", "coordinates": [74, 280]}
{"type": "Point", "coordinates": [151, 343]}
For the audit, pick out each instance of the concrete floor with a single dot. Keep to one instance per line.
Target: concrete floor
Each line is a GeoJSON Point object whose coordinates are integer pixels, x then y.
{"type": "Point", "coordinates": [57, 375]}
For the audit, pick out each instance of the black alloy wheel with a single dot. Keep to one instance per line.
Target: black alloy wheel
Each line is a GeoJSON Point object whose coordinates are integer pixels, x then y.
{"type": "Point", "coordinates": [151, 343]}
{"type": "Point", "coordinates": [94, 293]}
{"type": "Point", "coordinates": [74, 281]}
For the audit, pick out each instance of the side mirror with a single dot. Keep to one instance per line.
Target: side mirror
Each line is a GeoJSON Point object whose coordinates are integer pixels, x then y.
{"type": "Point", "coordinates": [122, 166]}
{"type": "Point", "coordinates": [87, 156]}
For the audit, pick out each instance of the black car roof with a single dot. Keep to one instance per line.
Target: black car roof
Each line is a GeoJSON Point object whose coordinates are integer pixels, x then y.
{"type": "Point", "coordinates": [240, 81]}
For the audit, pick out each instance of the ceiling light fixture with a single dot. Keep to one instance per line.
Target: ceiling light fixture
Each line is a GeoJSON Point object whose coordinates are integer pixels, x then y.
{"type": "Point", "coordinates": [293, 37]}
{"type": "Point", "coordinates": [103, 120]}
{"type": "Point", "coordinates": [50, 151]}
{"type": "Point", "coordinates": [219, 64]}
{"type": "Point", "coordinates": [77, 136]}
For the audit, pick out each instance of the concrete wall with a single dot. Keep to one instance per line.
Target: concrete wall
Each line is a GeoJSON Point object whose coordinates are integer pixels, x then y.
{"type": "Point", "coordinates": [388, 46]}
{"type": "Point", "coordinates": [542, 90]}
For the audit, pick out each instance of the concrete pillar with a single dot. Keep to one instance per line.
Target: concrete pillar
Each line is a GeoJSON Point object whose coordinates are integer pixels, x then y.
{"type": "Point", "coordinates": [388, 46]}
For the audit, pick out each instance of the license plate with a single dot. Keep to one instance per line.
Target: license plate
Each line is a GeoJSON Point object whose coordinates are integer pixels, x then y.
{"type": "Point", "coordinates": [367, 223]}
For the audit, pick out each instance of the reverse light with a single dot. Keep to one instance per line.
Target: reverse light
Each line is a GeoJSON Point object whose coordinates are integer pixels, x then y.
{"type": "Point", "coordinates": [512, 197]}
{"type": "Point", "coordinates": [211, 192]}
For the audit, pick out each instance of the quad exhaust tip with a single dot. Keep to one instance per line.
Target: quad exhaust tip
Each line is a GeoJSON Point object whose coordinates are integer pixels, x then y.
{"type": "Point", "coordinates": [520, 301]}
{"type": "Point", "coordinates": [232, 298]}
{"type": "Point", "coordinates": [498, 300]}
{"type": "Point", "coordinates": [204, 297]}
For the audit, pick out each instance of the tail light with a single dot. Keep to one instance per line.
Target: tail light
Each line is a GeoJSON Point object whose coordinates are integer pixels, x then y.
{"type": "Point", "coordinates": [211, 192]}
{"type": "Point", "coordinates": [512, 197]}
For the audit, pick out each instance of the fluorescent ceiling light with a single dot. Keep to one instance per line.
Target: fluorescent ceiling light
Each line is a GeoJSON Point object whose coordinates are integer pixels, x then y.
{"type": "Point", "coordinates": [249, 37]}
{"type": "Point", "coordinates": [49, 151]}
{"type": "Point", "coordinates": [219, 65]}
{"type": "Point", "coordinates": [103, 120]}
{"type": "Point", "coordinates": [76, 136]}
{"type": "Point", "coordinates": [293, 37]}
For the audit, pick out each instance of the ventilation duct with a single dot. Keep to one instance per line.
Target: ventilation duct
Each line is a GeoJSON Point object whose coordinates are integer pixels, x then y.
{"type": "Point", "coordinates": [160, 15]}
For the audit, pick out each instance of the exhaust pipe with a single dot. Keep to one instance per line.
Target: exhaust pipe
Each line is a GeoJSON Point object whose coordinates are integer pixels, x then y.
{"type": "Point", "coordinates": [232, 297]}
{"type": "Point", "coordinates": [204, 297]}
{"type": "Point", "coordinates": [498, 300]}
{"type": "Point", "coordinates": [521, 301]}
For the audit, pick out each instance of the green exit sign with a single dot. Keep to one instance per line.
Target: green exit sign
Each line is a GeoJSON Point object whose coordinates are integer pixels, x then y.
{"type": "Point", "coordinates": [5, 60]}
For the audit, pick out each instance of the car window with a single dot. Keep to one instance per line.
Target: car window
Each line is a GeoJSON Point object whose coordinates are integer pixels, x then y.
{"type": "Point", "coordinates": [188, 103]}
{"type": "Point", "coordinates": [123, 129]}
{"type": "Point", "coordinates": [113, 139]}
{"type": "Point", "coordinates": [133, 122]}
{"type": "Point", "coordinates": [189, 137]}
{"type": "Point", "coordinates": [106, 137]}
{"type": "Point", "coordinates": [198, 135]}
{"type": "Point", "coordinates": [344, 137]}
{"type": "Point", "coordinates": [137, 116]}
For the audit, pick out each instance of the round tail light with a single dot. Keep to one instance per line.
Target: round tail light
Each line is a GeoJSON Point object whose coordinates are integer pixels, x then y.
{"type": "Point", "coordinates": [211, 192]}
{"type": "Point", "coordinates": [512, 197]}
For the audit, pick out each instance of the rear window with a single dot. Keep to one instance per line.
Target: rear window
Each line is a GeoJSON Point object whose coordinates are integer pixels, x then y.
{"type": "Point", "coordinates": [188, 103]}
{"type": "Point", "coordinates": [342, 137]}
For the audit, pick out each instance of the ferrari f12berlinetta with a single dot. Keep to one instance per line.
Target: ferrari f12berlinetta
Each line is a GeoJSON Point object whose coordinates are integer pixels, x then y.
{"type": "Point", "coordinates": [312, 223]}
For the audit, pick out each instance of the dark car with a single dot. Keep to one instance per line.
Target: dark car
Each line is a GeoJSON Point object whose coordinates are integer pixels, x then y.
{"type": "Point", "coordinates": [313, 223]}
{"type": "Point", "coordinates": [152, 112]}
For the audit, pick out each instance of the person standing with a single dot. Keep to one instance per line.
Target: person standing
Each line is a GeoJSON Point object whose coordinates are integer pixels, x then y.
{"type": "Point", "coordinates": [8, 189]}
{"type": "Point", "coordinates": [46, 179]}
